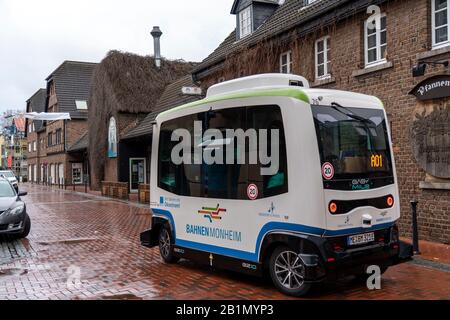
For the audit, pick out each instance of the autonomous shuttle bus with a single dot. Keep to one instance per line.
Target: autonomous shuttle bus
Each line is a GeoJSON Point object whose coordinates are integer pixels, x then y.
{"type": "Point", "coordinates": [266, 175]}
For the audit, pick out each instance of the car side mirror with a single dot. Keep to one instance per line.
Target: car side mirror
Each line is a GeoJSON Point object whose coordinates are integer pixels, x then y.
{"type": "Point", "coordinates": [22, 194]}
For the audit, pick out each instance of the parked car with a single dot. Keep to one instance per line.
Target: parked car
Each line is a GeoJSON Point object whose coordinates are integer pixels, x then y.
{"type": "Point", "coordinates": [14, 219]}
{"type": "Point", "coordinates": [8, 174]}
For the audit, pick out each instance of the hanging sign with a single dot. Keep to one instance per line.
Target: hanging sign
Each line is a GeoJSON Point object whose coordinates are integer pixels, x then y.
{"type": "Point", "coordinates": [112, 138]}
{"type": "Point", "coordinates": [432, 88]}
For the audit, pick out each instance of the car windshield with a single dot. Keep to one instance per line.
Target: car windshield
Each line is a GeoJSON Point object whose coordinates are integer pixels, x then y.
{"type": "Point", "coordinates": [354, 142]}
{"type": "Point", "coordinates": [6, 191]}
{"type": "Point", "coordinates": [7, 174]}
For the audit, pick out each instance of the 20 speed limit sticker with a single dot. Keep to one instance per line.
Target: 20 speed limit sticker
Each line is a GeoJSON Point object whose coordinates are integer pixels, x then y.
{"type": "Point", "coordinates": [252, 192]}
{"type": "Point", "coordinates": [328, 171]}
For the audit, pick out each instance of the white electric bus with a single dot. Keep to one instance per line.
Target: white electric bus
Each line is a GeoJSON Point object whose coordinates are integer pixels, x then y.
{"type": "Point", "coordinates": [330, 208]}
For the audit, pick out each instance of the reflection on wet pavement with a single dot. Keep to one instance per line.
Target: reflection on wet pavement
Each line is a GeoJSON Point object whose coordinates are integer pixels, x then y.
{"type": "Point", "coordinates": [87, 247]}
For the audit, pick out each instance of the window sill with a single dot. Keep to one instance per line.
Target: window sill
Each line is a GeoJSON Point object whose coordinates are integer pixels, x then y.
{"type": "Point", "coordinates": [372, 69]}
{"type": "Point", "coordinates": [434, 185]}
{"type": "Point", "coordinates": [323, 82]}
{"type": "Point", "coordinates": [433, 52]}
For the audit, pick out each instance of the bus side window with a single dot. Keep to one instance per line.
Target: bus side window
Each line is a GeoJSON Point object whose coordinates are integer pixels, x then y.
{"type": "Point", "coordinates": [226, 181]}
{"type": "Point", "coordinates": [269, 118]}
{"type": "Point", "coordinates": [184, 179]}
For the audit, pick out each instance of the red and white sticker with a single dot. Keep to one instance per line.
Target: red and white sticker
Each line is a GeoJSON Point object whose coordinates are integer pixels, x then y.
{"type": "Point", "coordinates": [252, 192]}
{"type": "Point", "coordinates": [328, 171]}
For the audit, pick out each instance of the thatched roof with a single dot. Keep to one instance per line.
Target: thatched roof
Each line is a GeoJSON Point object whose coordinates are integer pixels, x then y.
{"type": "Point", "coordinates": [135, 81]}
{"type": "Point", "coordinates": [125, 83]}
{"type": "Point", "coordinates": [172, 97]}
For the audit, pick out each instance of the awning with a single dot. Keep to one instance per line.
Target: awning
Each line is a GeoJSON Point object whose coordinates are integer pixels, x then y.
{"type": "Point", "coordinates": [53, 116]}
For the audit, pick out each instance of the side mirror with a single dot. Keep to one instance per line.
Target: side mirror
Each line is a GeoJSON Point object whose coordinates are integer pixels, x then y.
{"type": "Point", "coordinates": [22, 194]}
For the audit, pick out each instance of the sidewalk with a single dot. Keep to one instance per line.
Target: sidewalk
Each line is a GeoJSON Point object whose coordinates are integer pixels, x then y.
{"type": "Point", "coordinates": [433, 251]}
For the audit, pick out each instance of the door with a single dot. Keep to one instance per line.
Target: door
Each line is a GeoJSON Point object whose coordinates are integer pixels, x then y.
{"type": "Point", "coordinates": [138, 173]}
{"type": "Point", "coordinates": [77, 173]}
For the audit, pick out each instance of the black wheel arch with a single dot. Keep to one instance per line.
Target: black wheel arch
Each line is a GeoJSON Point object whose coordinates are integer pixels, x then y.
{"type": "Point", "coordinates": [159, 223]}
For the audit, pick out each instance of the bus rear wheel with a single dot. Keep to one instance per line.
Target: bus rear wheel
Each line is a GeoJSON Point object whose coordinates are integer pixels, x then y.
{"type": "Point", "coordinates": [165, 246]}
{"type": "Point", "coordinates": [287, 271]}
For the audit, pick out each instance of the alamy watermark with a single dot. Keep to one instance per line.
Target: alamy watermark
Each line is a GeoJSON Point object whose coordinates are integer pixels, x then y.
{"type": "Point", "coordinates": [374, 21]}
{"type": "Point", "coordinates": [217, 147]}
{"type": "Point", "coordinates": [374, 279]}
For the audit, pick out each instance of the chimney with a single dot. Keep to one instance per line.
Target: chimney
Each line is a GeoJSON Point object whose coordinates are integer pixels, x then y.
{"type": "Point", "coordinates": [156, 34]}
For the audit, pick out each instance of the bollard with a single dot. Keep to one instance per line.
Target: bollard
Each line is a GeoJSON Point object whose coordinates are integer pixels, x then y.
{"type": "Point", "coordinates": [414, 204]}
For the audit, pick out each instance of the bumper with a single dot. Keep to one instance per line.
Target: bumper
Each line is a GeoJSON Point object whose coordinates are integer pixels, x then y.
{"type": "Point", "coordinates": [356, 262]}
{"type": "Point", "coordinates": [12, 225]}
{"type": "Point", "coordinates": [149, 239]}
{"type": "Point", "coordinates": [332, 264]}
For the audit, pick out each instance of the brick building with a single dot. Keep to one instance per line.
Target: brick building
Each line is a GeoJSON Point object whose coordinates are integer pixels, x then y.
{"type": "Point", "coordinates": [338, 44]}
{"type": "Point", "coordinates": [35, 132]}
{"type": "Point", "coordinates": [68, 89]}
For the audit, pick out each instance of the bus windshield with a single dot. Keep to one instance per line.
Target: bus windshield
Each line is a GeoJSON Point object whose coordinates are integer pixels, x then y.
{"type": "Point", "coordinates": [354, 143]}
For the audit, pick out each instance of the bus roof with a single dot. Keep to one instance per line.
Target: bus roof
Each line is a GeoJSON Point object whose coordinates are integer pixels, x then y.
{"type": "Point", "coordinates": [290, 86]}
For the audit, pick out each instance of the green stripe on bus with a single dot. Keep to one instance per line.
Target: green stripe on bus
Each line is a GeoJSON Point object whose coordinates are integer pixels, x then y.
{"type": "Point", "coordinates": [290, 93]}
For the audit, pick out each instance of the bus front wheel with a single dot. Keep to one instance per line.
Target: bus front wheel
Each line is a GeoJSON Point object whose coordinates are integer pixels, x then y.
{"type": "Point", "coordinates": [165, 246]}
{"type": "Point", "coordinates": [287, 271]}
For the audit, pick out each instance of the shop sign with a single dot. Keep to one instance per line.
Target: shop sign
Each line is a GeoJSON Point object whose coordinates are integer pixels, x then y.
{"type": "Point", "coordinates": [433, 88]}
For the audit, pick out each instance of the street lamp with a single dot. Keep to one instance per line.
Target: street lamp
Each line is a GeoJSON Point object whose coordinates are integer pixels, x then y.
{"type": "Point", "coordinates": [419, 70]}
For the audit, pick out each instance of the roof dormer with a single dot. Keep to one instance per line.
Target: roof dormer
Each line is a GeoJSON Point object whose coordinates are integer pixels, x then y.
{"type": "Point", "coordinates": [251, 14]}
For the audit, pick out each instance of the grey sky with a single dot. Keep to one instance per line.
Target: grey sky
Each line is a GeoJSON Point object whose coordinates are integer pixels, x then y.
{"type": "Point", "coordinates": [37, 36]}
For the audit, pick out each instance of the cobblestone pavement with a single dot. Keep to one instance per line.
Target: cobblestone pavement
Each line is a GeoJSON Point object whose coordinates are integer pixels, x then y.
{"type": "Point", "coordinates": [99, 238]}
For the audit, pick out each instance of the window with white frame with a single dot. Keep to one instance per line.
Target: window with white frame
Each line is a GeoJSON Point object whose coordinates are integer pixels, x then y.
{"type": "Point", "coordinates": [375, 39]}
{"type": "Point", "coordinates": [286, 62]}
{"type": "Point", "coordinates": [245, 22]}
{"type": "Point", "coordinates": [440, 22]}
{"type": "Point", "coordinates": [34, 146]}
{"type": "Point", "coordinates": [29, 147]}
{"type": "Point", "coordinates": [323, 58]}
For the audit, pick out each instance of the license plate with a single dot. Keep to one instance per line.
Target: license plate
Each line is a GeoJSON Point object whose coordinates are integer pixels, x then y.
{"type": "Point", "coordinates": [361, 239]}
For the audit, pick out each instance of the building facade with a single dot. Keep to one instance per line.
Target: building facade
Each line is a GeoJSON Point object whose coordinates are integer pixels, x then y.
{"type": "Point", "coordinates": [50, 142]}
{"type": "Point", "coordinates": [34, 136]}
{"type": "Point", "coordinates": [356, 46]}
